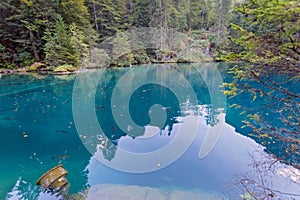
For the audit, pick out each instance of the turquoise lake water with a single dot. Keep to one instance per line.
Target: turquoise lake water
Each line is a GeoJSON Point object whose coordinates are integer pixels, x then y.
{"type": "Point", "coordinates": [147, 111]}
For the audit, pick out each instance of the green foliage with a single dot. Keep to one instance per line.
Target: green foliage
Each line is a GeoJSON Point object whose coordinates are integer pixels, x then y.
{"type": "Point", "coordinates": [140, 57]}
{"type": "Point", "coordinates": [106, 17]}
{"type": "Point", "coordinates": [79, 40]}
{"type": "Point", "coordinates": [98, 58]}
{"type": "Point", "coordinates": [121, 52]}
{"type": "Point", "coordinates": [76, 15]}
{"type": "Point", "coordinates": [26, 58]}
{"type": "Point", "coordinates": [28, 26]}
{"type": "Point", "coordinates": [2, 48]}
{"type": "Point", "coordinates": [60, 49]}
{"type": "Point", "coordinates": [74, 11]}
{"type": "Point", "coordinates": [142, 13]}
{"type": "Point", "coordinates": [26, 23]}
{"type": "Point", "coordinates": [22, 25]}
{"type": "Point", "coordinates": [265, 37]}
{"type": "Point", "coordinates": [268, 33]}
{"type": "Point", "coordinates": [10, 65]}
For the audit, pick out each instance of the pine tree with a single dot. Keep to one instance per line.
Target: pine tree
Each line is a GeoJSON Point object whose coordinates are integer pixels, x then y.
{"type": "Point", "coordinates": [23, 23]}
{"type": "Point", "coordinates": [142, 11]}
{"type": "Point", "coordinates": [60, 49]}
{"type": "Point", "coordinates": [121, 52]}
{"type": "Point", "coordinates": [14, 35]}
{"type": "Point", "coordinates": [105, 16]}
{"type": "Point", "coordinates": [123, 7]}
{"type": "Point", "coordinates": [75, 11]}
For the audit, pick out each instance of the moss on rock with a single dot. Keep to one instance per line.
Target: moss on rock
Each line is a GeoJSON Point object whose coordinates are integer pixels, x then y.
{"type": "Point", "coordinates": [65, 68]}
{"type": "Point", "coordinates": [37, 66]}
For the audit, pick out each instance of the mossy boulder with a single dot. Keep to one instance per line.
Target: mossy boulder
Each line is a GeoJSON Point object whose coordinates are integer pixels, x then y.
{"type": "Point", "coordinates": [37, 66]}
{"type": "Point", "coordinates": [65, 69]}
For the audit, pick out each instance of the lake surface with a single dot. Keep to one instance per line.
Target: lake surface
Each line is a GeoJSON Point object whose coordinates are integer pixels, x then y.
{"type": "Point", "coordinates": [163, 129]}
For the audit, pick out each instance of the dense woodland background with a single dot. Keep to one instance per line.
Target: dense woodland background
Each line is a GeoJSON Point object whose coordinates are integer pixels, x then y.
{"type": "Point", "coordinates": [59, 32]}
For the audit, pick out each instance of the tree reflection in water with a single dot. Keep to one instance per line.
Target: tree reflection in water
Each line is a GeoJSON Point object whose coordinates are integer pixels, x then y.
{"type": "Point", "coordinates": [262, 181]}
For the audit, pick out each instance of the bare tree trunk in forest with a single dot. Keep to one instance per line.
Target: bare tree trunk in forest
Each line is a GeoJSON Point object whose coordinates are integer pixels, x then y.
{"type": "Point", "coordinates": [161, 25]}
{"type": "Point", "coordinates": [166, 44]}
{"type": "Point", "coordinates": [130, 7]}
{"type": "Point", "coordinates": [35, 51]}
{"type": "Point", "coordinates": [220, 18]}
{"type": "Point", "coordinates": [95, 17]}
{"type": "Point", "coordinates": [207, 48]}
{"type": "Point", "coordinates": [203, 12]}
{"type": "Point", "coordinates": [219, 30]}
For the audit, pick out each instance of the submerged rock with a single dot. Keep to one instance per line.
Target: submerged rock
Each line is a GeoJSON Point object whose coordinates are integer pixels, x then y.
{"type": "Point", "coordinates": [133, 192]}
{"type": "Point", "coordinates": [78, 196]}
{"type": "Point", "coordinates": [121, 192]}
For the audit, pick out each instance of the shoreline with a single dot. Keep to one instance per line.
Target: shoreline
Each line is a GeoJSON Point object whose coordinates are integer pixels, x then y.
{"type": "Point", "coordinates": [24, 70]}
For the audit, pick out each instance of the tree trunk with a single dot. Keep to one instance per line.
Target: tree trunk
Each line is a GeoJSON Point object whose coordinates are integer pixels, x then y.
{"type": "Point", "coordinates": [161, 25]}
{"type": "Point", "coordinates": [35, 51]}
{"type": "Point", "coordinates": [95, 17]}
{"type": "Point", "coordinates": [220, 19]}
{"type": "Point", "coordinates": [207, 48]}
